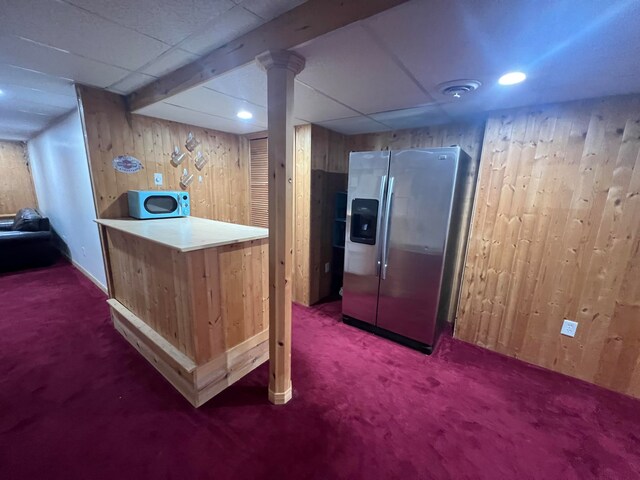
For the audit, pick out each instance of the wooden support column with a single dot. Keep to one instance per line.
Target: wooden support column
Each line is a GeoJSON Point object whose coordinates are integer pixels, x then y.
{"type": "Point", "coordinates": [281, 66]}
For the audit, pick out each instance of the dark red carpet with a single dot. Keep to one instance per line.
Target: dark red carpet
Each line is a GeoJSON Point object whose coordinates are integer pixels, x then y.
{"type": "Point", "coordinates": [77, 402]}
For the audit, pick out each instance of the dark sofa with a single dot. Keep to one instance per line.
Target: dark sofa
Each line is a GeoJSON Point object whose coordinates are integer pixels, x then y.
{"type": "Point", "coordinates": [26, 241]}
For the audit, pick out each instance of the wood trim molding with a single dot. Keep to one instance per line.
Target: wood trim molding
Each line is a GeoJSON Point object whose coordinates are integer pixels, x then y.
{"type": "Point", "coordinates": [280, 398]}
{"type": "Point", "coordinates": [295, 27]}
{"type": "Point", "coordinates": [281, 59]}
{"type": "Point", "coordinates": [86, 273]}
{"type": "Point", "coordinates": [257, 135]}
{"type": "Point", "coordinates": [197, 383]}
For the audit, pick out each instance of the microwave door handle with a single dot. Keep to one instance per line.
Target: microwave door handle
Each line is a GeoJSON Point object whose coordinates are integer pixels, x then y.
{"type": "Point", "coordinates": [387, 223]}
{"type": "Point", "coordinates": [383, 185]}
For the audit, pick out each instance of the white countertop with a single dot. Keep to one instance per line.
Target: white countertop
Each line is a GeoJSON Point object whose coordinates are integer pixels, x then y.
{"type": "Point", "coordinates": [187, 233]}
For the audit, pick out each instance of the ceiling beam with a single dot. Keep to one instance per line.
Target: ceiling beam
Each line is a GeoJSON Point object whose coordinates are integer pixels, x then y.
{"type": "Point", "coordinates": [295, 27]}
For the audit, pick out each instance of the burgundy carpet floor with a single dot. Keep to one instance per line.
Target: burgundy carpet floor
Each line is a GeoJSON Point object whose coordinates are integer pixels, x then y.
{"type": "Point", "coordinates": [77, 402]}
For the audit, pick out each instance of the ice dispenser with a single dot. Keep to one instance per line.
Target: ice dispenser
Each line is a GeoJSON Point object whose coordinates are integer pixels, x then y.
{"type": "Point", "coordinates": [364, 220]}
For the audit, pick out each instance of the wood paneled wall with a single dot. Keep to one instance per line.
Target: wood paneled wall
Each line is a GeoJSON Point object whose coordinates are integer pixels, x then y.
{"type": "Point", "coordinates": [469, 136]}
{"type": "Point", "coordinates": [16, 183]}
{"type": "Point", "coordinates": [222, 193]}
{"type": "Point", "coordinates": [301, 214]}
{"type": "Point", "coordinates": [321, 165]}
{"type": "Point", "coordinates": [329, 172]}
{"type": "Point", "coordinates": [555, 235]}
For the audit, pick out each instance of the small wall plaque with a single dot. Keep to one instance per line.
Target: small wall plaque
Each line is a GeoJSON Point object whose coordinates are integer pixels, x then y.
{"type": "Point", "coordinates": [127, 164]}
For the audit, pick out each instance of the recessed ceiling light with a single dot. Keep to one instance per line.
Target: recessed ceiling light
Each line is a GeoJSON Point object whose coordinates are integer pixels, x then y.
{"type": "Point", "coordinates": [512, 78]}
{"type": "Point", "coordinates": [244, 115]}
{"type": "Point", "coordinates": [1, 92]}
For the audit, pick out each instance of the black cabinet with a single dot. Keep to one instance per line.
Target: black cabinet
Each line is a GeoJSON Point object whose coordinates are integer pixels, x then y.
{"type": "Point", "coordinates": [339, 233]}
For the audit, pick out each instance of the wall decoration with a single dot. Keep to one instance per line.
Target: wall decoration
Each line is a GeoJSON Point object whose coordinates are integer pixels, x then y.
{"type": "Point", "coordinates": [201, 160]}
{"type": "Point", "coordinates": [191, 142]}
{"type": "Point", "coordinates": [177, 157]}
{"type": "Point", "coordinates": [186, 179]}
{"type": "Point", "coordinates": [127, 164]}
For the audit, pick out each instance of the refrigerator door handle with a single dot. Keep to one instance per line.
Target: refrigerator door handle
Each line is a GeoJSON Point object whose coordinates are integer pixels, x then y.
{"type": "Point", "coordinates": [383, 185]}
{"type": "Point", "coordinates": [385, 239]}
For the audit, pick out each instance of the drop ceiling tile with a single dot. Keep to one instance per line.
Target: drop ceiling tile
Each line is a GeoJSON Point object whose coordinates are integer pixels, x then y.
{"type": "Point", "coordinates": [412, 117]}
{"type": "Point", "coordinates": [483, 40]}
{"type": "Point", "coordinates": [248, 82]}
{"type": "Point", "coordinates": [220, 30]}
{"type": "Point", "coordinates": [168, 62]}
{"type": "Point", "coordinates": [12, 75]}
{"type": "Point", "coordinates": [354, 125]}
{"type": "Point", "coordinates": [131, 82]}
{"type": "Point", "coordinates": [315, 107]}
{"type": "Point", "coordinates": [11, 136]}
{"type": "Point", "coordinates": [348, 66]}
{"type": "Point", "coordinates": [39, 96]}
{"type": "Point", "coordinates": [203, 100]}
{"type": "Point", "coordinates": [72, 29]}
{"type": "Point", "coordinates": [168, 20]}
{"type": "Point", "coordinates": [25, 120]}
{"type": "Point", "coordinates": [24, 128]}
{"type": "Point", "coordinates": [269, 9]}
{"type": "Point", "coordinates": [190, 117]}
{"type": "Point", "coordinates": [12, 102]}
{"type": "Point", "coordinates": [54, 62]}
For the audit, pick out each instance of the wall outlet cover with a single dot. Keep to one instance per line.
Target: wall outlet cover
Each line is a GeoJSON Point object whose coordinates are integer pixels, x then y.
{"type": "Point", "coordinates": [157, 179]}
{"type": "Point", "coordinates": [569, 328]}
{"type": "Point", "coordinates": [327, 267]}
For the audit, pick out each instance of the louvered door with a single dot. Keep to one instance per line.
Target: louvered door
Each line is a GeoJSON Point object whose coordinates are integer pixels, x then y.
{"type": "Point", "coordinates": [259, 183]}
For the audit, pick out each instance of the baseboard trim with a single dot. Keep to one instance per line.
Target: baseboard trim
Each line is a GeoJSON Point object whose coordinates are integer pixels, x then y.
{"type": "Point", "coordinates": [197, 383]}
{"type": "Point", "coordinates": [280, 398]}
{"type": "Point", "coordinates": [85, 272]}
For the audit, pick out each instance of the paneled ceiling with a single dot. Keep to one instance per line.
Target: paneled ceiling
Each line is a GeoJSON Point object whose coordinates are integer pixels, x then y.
{"type": "Point", "coordinates": [378, 74]}
{"type": "Point", "coordinates": [120, 45]}
{"type": "Point", "coordinates": [383, 73]}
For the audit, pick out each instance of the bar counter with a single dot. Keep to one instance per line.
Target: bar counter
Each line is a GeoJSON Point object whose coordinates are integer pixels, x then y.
{"type": "Point", "coordinates": [191, 295]}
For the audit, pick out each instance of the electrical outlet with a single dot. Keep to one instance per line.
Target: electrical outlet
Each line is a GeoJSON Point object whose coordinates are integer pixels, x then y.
{"type": "Point", "coordinates": [569, 328]}
{"type": "Point", "coordinates": [327, 267]}
{"type": "Point", "coordinates": [157, 179]}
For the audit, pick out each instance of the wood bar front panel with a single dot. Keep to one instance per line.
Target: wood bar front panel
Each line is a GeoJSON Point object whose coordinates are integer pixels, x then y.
{"type": "Point", "coordinates": [203, 302]}
{"type": "Point", "coordinates": [153, 282]}
{"type": "Point", "coordinates": [555, 235]}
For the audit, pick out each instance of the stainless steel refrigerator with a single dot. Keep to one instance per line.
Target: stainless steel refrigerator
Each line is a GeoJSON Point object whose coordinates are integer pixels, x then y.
{"type": "Point", "coordinates": [403, 219]}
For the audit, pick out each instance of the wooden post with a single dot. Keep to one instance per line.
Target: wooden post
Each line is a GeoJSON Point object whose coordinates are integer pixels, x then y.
{"type": "Point", "coordinates": [281, 67]}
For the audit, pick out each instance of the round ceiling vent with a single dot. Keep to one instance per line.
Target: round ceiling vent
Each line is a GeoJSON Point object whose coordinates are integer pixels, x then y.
{"type": "Point", "coordinates": [458, 88]}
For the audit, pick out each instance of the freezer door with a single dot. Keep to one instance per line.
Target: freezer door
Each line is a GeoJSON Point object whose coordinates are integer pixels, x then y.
{"type": "Point", "coordinates": [414, 234]}
{"type": "Point", "coordinates": [368, 173]}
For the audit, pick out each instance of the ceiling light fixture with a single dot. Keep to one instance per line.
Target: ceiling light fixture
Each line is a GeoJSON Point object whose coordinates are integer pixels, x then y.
{"type": "Point", "coordinates": [244, 115]}
{"type": "Point", "coordinates": [1, 92]}
{"type": "Point", "coordinates": [512, 78]}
